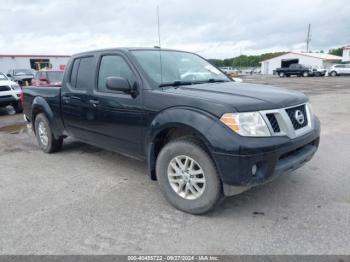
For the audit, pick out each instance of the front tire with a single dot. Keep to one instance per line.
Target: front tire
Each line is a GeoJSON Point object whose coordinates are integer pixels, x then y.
{"type": "Point", "coordinates": [305, 74]}
{"type": "Point", "coordinates": [333, 73]}
{"type": "Point", "coordinates": [281, 74]}
{"type": "Point", "coordinates": [187, 176]}
{"type": "Point", "coordinates": [47, 142]}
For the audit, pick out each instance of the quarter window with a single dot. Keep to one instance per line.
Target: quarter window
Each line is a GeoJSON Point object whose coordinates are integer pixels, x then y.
{"type": "Point", "coordinates": [74, 72]}
{"type": "Point", "coordinates": [85, 75]}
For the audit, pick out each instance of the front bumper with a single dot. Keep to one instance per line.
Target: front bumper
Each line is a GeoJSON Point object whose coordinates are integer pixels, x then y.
{"type": "Point", "coordinates": [7, 100]}
{"type": "Point", "coordinates": [277, 156]}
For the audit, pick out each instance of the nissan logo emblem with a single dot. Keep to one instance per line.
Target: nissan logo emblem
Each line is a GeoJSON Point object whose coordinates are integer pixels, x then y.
{"type": "Point", "coordinates": [299, 117]}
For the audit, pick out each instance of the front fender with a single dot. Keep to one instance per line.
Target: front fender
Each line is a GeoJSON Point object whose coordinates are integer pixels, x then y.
{"type": "Point", "coordinates": [208, 127]}
{"type": "Point", "coordinates": [40, 105]}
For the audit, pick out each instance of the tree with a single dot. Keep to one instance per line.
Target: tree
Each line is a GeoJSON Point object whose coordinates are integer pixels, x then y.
{"type": "Point", "coordinates": [336, 51]}
{"type": "Point", "coordinates": [244, 60]}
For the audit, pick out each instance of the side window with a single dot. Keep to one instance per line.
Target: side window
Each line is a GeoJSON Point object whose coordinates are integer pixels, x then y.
{"type": "Point", "coordinates": [74, 72]}
{"type": "Point", "coordinates": [113, 65]}
{"type": "Point", "coordinates": [86, 72]}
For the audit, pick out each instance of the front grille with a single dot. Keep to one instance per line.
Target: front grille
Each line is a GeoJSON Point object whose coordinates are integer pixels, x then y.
{"type": "Point", "coordinates": [292, 116]}
{"type": "Point", "coordinates": [5, 88]}
{"type": "Point", "coordinates": [273, 122]}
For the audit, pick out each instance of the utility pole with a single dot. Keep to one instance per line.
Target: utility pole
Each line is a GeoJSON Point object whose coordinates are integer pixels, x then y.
{"type": "Point", "coordinates": [308, 38]}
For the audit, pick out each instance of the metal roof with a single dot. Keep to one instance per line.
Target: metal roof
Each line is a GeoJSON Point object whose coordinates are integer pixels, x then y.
{"type": "Point", "coordinates": [322, 56]}
{"type": "Point", "coordinates": [32, 56]}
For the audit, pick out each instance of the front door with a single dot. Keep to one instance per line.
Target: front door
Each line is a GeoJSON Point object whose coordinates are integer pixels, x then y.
{"type": "Point", "coordinates": [118, 116]}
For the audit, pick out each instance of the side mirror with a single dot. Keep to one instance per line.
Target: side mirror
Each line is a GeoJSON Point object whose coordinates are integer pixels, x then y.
{"type": "Point", "coordinates": [8, 75]}
{"type": "Point", "coordinates": [118, 84]}
{"type": "Point", "coordinates": [43, 79]}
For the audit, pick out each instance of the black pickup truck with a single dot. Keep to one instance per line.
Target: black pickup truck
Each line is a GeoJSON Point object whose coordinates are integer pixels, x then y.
{"type": "Point", "coordinates": [294, 69]}
{"type": "Point", "coordinates": [203, 135]}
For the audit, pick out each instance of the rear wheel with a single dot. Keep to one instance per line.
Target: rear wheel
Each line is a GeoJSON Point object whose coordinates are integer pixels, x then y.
{"type": "Point", "coordinates": [187, 176]}
{"type": "Point", "coordinates": [47, 142]}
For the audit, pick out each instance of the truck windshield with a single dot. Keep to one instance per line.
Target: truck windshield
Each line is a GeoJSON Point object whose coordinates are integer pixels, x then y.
{"type": "Point", "coordinates": [19, 72]}
{"type": "Point", "coordinates": [167, 67]}
{"type": "Point", "coordinates": [55, 76]}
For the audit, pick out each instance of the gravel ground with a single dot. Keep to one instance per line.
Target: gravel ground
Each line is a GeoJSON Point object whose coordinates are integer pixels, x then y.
{"type": "Point", "coordinates": [84, 200]}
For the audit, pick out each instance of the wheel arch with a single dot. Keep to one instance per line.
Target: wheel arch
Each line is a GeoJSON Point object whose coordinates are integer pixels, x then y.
{"type": "Point", "coordinates": [175, 123]}
{"type": "Point", "coordinates": [40, 105]}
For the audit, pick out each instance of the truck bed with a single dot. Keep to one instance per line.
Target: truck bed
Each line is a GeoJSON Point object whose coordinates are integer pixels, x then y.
{"type": "Point", "coordinates": [47, 97]}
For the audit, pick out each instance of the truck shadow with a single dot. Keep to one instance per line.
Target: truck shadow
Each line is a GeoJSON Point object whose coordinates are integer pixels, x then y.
{"type": "Point", "coordinates": [256, 202]}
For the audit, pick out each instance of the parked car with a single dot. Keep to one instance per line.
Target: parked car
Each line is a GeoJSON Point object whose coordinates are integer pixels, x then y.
{"type": "Point", "coordinates": [202, 140]}
{"type": "Point", "coordinates": [318, 71]}
{"type": "Point", "coordinates": [21, 76]}
{"type": "Point", "coordinates": [294, 69]}
{"type": "Point", "coordinates": [10, 94]}
{"type": "Point", "coordinates": [341, 69]}
{"type": "Point", "coordinates": [48, 78]}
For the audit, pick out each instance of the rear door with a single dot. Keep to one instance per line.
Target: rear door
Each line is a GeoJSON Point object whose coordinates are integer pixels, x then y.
{"type": "Point", "coordinates": [76, 109]}
{"type": "Point", "coordinates": [118, 117]}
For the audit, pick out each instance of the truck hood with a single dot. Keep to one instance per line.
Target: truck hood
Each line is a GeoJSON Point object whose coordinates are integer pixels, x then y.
{"type": "Point", "coordinates": [243, 96]}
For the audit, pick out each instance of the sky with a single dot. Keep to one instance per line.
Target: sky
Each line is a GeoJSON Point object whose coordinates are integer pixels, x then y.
{"type": "Point", "coordinates": [213, 29]}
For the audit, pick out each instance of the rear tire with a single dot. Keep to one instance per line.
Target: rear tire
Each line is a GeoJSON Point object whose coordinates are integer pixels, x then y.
{"type": "Point", "coordinates": [18, 107]}
{"type": "Point", "coordinates": [187, 176]}
{"type": "Point", "coordinates": [47, 142]}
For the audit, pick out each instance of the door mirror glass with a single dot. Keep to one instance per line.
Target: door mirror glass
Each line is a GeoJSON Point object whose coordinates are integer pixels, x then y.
{"type": "Point", "coordinates": [117, 83]}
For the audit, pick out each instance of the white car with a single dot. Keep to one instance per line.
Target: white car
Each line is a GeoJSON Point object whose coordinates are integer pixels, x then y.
{"type": "Point", "coordinates": [341, 69]}
{"type": "Point", "coordinates": [10, 94]}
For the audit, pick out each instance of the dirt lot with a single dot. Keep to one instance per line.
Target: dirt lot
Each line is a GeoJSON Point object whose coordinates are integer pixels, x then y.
{"type": "Point", "coordinates": [84, 200]}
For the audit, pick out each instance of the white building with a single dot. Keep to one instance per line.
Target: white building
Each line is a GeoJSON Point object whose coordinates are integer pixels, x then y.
{"type": "Point", "coordinates": [309, 59]}
{"type": "Point", "coordinates": [346, 54]}
{"type": "Point", "coordinates": [36, 62]}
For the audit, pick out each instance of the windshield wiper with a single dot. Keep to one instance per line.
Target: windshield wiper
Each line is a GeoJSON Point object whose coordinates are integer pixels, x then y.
{"type": "Point", "coordinates": [184, 83]}
{"type": "Point", "coordinates": [177, 83]}
{"type": "Point", "coordinates": [213, 80]}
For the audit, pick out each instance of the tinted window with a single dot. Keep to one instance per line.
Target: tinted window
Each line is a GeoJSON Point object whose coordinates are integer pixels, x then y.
{"type": "Point", "coordinates": [85, 76]}
{"type": "Point", "coordinates": [113, 65]}
{"type": "Point", "coordinates": [74, 72]}
{"type": "Point", "coordinates": [340, 66]}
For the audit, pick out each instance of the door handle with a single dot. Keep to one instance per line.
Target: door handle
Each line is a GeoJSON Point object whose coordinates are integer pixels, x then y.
{"type": "Point", "coordinates": [65, 99]}
{"type": "Point", "coordinates": [75, 97]}
{"type": "Point", "coordinates": [94, 102]}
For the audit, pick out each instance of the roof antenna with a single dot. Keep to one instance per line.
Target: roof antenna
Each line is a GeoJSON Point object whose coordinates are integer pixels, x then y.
{"type": "Point", "coordinates": [158, 26]}
{"type": "Point", "coordinates": [159, 46]}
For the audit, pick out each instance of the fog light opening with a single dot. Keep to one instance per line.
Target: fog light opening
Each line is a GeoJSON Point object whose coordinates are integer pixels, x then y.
{"type": "Point", "coordinates": [254, 169]}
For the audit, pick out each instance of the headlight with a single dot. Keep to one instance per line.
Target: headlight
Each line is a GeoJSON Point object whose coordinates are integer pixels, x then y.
{"type": "Point", "coordinates": [15, 87]}
{"type": "Point", "coordinates": [246, 124]}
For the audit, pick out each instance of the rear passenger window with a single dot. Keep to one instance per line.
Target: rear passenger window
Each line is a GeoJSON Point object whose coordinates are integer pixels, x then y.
{"type": "Point", "coordinates": [113, 65]}
{"type": "Point", "coordinates": [85, 76]}
{"type": "Point", "coordinates": [74, 72]}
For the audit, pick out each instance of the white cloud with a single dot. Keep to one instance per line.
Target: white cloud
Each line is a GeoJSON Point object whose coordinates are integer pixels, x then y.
{"type": "Point", "coordinates": [211, 28]}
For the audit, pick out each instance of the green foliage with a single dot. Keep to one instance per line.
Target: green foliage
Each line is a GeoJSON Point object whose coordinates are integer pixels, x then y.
{"type": "Point", "coordinates": [244, 60]}
{"type": "Point", "coordinates": [336, 51]}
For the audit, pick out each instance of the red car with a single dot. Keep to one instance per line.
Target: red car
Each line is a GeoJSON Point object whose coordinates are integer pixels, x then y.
{"type": "Point", "coordinates": [48, 78]}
